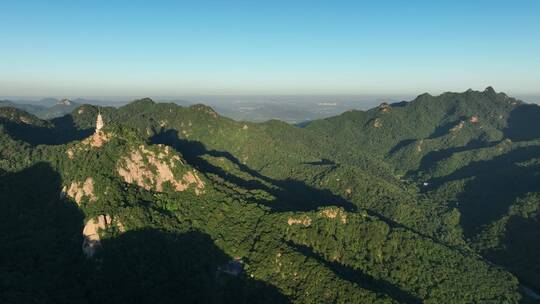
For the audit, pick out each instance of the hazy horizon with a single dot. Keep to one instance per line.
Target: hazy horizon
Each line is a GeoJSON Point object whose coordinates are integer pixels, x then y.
{"type": "Point", "coordinates": [255, 98]}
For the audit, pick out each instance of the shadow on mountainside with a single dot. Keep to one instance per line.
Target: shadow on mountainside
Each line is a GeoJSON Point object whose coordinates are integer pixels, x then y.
{"type": "Point", "coordinates": [400, 145]}
{"type": "Point", "coordinates": [524, 123]}
{"type": "Point", "coordinates": [62, 131]}
{"type": "Point", "coordinates": [442, 130]}
{"type": "Point", "coordinates": [323, 162]}
{"type": "Point", "coordinates": [42, 261]}
{"type": "Point", "coordinates": [519, 250]}
{"type": "Point", "coordinates": [285, 191]}
{"type": "Point", "coordinates": [431, 159]}
{"type": "Point", "coordinates": [67, 131]}
{"type": "Point", "coordinates": [493, 186]}
{"type": "Point", "coordinates": [152, 266]}
{"type": "Point", "coordinates": [356, 276]}
{"type": "Point", "coordinates": [40, 239]}
{"type": "Point", "coordinates": [302, 196]}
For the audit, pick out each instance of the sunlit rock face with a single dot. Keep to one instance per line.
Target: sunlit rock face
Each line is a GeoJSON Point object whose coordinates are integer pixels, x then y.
{"type": "Point", "coordinates": [92, 239]}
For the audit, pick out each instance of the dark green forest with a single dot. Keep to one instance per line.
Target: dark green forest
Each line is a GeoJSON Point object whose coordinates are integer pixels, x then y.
{"type": "Point", "coordinates": [436, 200]}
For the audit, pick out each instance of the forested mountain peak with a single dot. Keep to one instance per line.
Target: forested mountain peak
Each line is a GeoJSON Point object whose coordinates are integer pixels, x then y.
{"type": "Point", "coordinates": [141, 103]}
{"type": "Point", "coordinates": [19, 116]}
{"type": "Point", "coordinates": [490, 90]}
{"type": "Point", "coordinates": [206, 109]}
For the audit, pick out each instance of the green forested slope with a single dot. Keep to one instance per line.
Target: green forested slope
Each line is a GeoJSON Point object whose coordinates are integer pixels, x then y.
{"type": "Point", "coordinates": [314, 215]}
{"type": "Point", "coordinates": [476, 152]}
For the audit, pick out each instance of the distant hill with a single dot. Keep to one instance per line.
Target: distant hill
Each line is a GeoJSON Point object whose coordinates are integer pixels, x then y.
{"type": "Point", "coordinates": [25, 107]}
{"type": "Point", "coordinates": [57, 109]}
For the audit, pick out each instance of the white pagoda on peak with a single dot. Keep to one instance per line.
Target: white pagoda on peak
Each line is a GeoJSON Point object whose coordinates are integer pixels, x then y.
{"type": "Point", "coordinates": [99, 122]}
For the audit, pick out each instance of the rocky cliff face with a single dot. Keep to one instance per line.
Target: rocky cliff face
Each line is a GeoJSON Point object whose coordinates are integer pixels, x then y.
{"type": "Point", "coordinates": [151, 170]}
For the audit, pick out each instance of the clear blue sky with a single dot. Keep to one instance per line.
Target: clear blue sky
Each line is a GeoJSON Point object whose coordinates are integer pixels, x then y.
{"type": "Point", "coordinates": [167, 48]}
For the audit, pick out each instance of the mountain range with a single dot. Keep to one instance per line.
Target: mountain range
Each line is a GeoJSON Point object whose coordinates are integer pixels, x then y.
{"type": "Point", "coordinates": [47, 109]}
{"type": "Point", "coordinates": [436, 200]}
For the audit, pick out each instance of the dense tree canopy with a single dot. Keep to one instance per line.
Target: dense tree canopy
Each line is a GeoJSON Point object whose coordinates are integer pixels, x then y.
{"type": "Point", "coordinates": [431, 201]}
